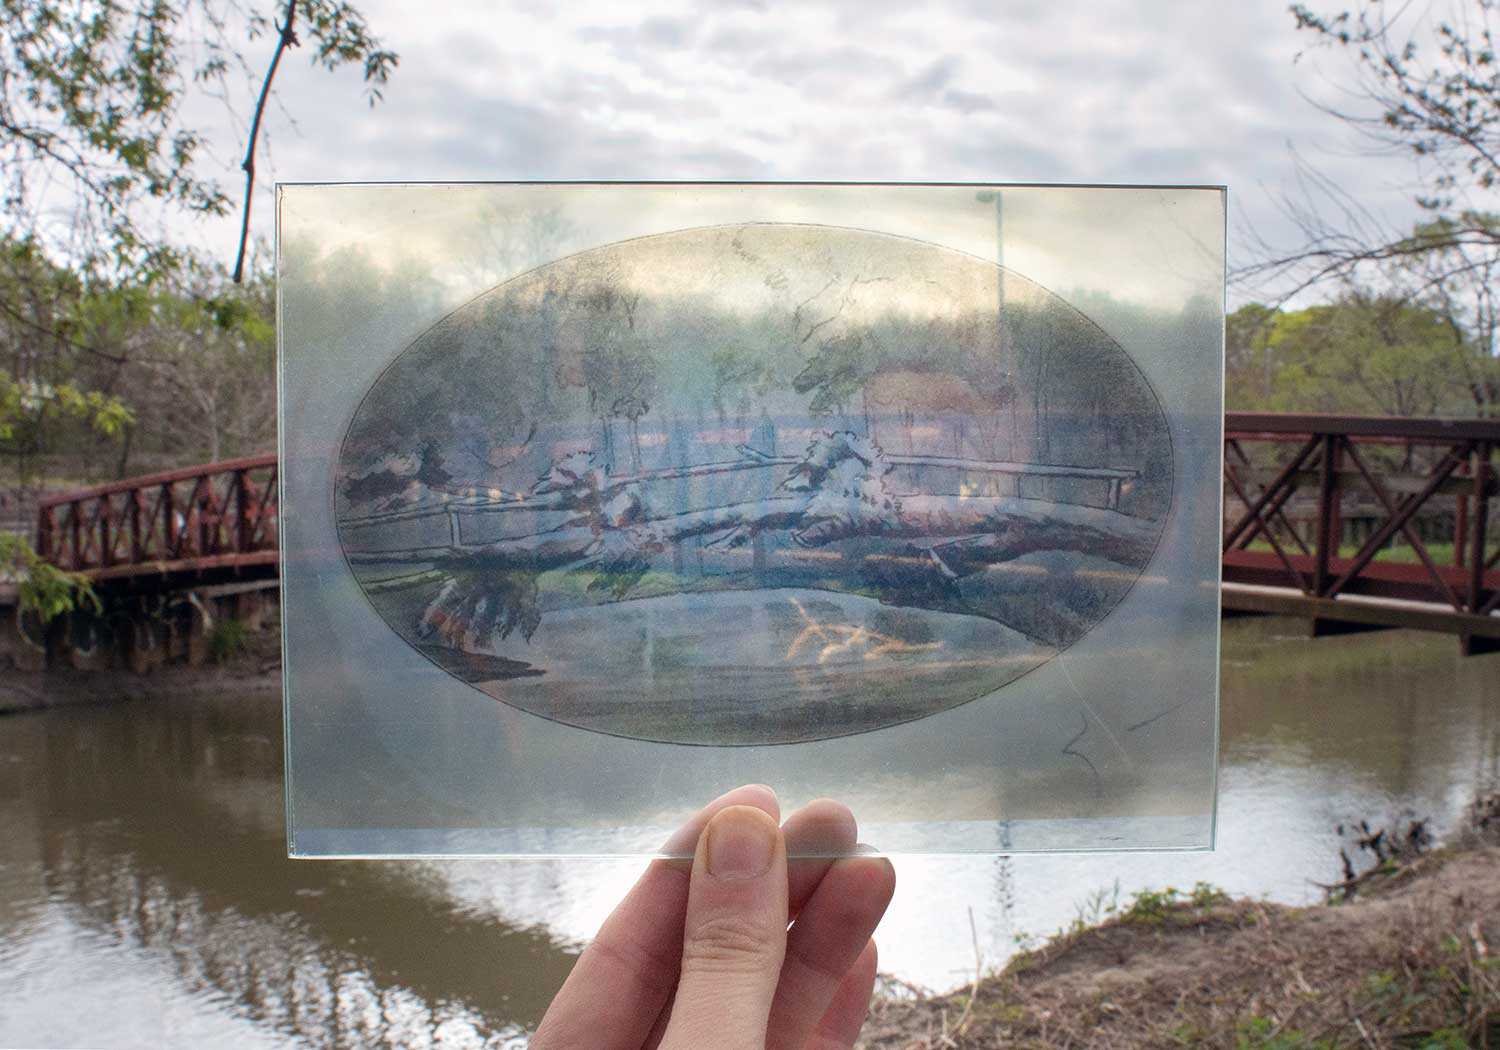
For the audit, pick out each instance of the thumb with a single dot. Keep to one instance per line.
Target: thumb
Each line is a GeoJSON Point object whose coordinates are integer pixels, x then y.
{"type": "Point", "coordinates": [735, 935]}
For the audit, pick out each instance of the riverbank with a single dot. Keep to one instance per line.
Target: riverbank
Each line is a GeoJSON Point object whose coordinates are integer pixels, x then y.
{"type": "Point", "coordinates": [240, 660]}
{"type": "Point", "coordinates": [1408, 957]}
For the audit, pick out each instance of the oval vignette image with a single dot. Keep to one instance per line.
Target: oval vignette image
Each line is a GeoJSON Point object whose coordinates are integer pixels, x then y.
{"type": "Point", "coordinates": [753, 484]}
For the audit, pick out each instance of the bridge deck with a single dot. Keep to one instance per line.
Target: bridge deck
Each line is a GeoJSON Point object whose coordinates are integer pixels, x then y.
{"type": "Point", "coordinates": [1289, 482]}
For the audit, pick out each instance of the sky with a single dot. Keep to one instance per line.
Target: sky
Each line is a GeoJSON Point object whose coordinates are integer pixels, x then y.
{"type": "Point", "coordinates": [1133, 91]}
{"type": "Point", "coordinates": [1151, 247]}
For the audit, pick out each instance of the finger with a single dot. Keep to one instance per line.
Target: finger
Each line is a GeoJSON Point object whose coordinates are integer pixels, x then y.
{"type": "Point", "coordinates": [846, 1015]}
{"type": "Point", "coordinates": [734, 938]}
{"type": "Point", "coordinates": [624, 979]}
{"type": "Point", "coordinates": [683, 843]}
{"type": "Point", "coordinates": [824, 942]}
{"type": "Point", "coordinates": [822, 829]}
{"type": "Point", "coordinates": [815, 835]}
{"type": "Point", "coordinates": [659, 1029]}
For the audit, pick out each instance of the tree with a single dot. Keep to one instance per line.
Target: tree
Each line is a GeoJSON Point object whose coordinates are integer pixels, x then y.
{"type": "Point", "coordinates": [96, 151]}
{"type": "Point", "coordinates": [617, 367]}
{"type": "Point", "coordinates": [200, 380]}
{"type": "Point", "coordinates": [53, 379]}
{"type": "Point", "coordinates": [1247, 358]}
{"type": "Point", "coordinates": [1458, 281]}
{"type": "Point", "coordinates": [93, 126]}
{"type": "Point", "coordinates": [1429, 87]}
{"type": "Point", "coordinates": [1363, 354]}
{"type": "Point", "coordinates": [1430, 91]}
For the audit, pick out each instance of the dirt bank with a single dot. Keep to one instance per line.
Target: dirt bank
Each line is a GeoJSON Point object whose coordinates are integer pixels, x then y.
{"type": "Point", "coordinates": [245, 662]}
{"type": "Point", "coordinates": [1412, 959]}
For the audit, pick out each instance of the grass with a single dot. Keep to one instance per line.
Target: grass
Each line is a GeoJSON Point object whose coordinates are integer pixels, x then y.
{"type": "Point", "coordinates": [1410, 964]}
{"type": "Point", "coordinates": [227, 639]}
{"type": "Point", "coordinates": [1397, 551]}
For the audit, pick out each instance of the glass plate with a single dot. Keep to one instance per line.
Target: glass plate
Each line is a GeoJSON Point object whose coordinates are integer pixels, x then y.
{"type": "Point", "coordinates": [600, 499]}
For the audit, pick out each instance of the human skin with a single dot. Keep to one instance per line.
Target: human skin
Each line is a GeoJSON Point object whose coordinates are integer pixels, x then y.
{"type": "Point", "coordinates": [701, 955]}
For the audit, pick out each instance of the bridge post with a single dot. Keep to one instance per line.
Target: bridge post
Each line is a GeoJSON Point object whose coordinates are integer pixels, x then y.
{"type": "Point", "coordinates": [1481, 502]}
{"type": "Point", "coordinates": [188, 628]}
{"type": "Point", "coordinates": [143, 649]}
{"type": "Point", "coordinates": [84, 641]}
{"type": "Point", "coordinates": [106, 547]}
{"type": "Point", "coordinates": [45, 525]}
{"type": "Point", "coordinates": [1460, 529]}
{"type": "Point", "coordinates": [242, 498]}
{"type": "Point", "coordinates": [1329, 532]}
{"type": "Point", "coordinates": [137, 550]}
{"type": "Point", "coordinates": [168, 520]}
{"type": "Point", "coordinates": [20, 643]}
{"type": "Point", "coordinates": [76, 510]}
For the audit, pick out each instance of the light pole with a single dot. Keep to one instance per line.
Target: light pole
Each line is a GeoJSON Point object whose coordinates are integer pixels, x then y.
{"type": "Point", "coordinates": [1007, 362]}
{"type": "Point", "coordinates": [995, 196]}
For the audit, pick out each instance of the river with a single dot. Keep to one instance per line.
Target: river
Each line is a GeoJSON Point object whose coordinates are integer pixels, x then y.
{"type": "Point", "coordinates": [145, 898]}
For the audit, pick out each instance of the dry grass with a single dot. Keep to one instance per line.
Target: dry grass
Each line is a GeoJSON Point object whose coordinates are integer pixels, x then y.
{"type": "Point", "coordinates": [1410, 957]}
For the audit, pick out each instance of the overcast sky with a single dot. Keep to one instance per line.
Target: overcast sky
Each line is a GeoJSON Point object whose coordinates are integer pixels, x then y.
{"type": "Point", "coordinates": [1156, 91]}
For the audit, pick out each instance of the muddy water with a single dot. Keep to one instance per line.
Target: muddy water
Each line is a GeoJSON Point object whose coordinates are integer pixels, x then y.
{"type": "Point", "coordinates": [145, 899]}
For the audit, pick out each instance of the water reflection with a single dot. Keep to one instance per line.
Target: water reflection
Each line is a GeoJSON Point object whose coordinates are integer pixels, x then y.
{"type": "Point", "coordinates": [145, 899]}
{"type": "Point", "coordinates": [155, 831]}
{"type": "Point", "coordinates": [1313, 733]}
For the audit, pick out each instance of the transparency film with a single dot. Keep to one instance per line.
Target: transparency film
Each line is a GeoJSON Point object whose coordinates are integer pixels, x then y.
{"type": "Point", "coordinates": [600, 499]}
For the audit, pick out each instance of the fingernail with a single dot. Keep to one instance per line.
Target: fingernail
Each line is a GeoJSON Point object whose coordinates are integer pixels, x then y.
{"type": "Point", "coordinates": [685, 838]}
{"type": "Point", "coordinates": [741, 843]}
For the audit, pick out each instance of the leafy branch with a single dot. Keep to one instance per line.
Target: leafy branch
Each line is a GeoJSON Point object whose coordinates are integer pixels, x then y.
{"type": "Point", "coordinates": [341, 37]}
{"type": "Point", "coordinates": [42, 588]}
{"type": "Point", "coordinates": [93, 96]}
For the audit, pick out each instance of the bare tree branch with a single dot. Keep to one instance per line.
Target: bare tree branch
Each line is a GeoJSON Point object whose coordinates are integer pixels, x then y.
{"type": "Point", "coordinates": [286, 38]}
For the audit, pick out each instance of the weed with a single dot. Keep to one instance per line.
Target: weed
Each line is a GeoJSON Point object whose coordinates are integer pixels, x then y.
{"type": "Point", "coordinates": [227, 638]}
{"type": "Point", "coordinates": [1261, 1033]}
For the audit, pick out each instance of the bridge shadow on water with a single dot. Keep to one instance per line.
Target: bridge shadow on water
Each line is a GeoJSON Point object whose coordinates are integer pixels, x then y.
{"type": "Point", "coordinates": [162, 831]}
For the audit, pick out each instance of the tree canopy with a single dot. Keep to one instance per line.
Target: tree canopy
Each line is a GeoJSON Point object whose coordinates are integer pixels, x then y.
{"type": "Point", "coordinates": [1423, 82]}
{"type": "Point", "coordinates": [95, 136]}
{"type": "Point", "coordinates": [1362, 354]}
{"type": "Point", "coordinates": [116, 343]}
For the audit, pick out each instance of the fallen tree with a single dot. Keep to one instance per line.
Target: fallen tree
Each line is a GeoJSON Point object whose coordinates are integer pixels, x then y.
{"type": "Point", "coordinates": [836, 492]}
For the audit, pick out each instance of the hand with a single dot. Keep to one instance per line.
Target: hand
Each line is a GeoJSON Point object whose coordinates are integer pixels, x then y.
{"type": "Point", "coordinates": [700, 957]}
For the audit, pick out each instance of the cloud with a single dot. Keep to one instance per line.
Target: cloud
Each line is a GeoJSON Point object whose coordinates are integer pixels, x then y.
{"type": "Point", "coordinates": [1170, 91]}
{"type": "Point", "coordinates": [930, 82]}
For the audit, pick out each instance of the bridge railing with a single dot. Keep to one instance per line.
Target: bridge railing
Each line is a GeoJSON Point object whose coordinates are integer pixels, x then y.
{"type": "Point", "coordinates": [1290, 481]}
{"type": "Point", "coordinates": [200, 516]}
{"type": "Point", "coordinates": [1285, 472]}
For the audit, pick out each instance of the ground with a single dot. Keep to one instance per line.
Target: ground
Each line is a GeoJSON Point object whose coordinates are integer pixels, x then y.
{"type": "Point", "coordinates": [1408, 957]}
{"type": "Point", "coordinates": [236, 659]}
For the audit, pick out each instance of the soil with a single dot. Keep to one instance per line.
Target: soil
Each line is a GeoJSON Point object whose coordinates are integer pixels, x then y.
{"type": "Point", "coordinates": [1409, 957]}
{"type": "Point", "coordinates": [253, 665]}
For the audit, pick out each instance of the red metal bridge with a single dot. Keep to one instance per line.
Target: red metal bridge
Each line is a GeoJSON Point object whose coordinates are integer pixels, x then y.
{"type": "Point", "coordinates": [1355, 523]}
{"type": "Point", "coordinates": [1313, 503]}
{"type": "Point", "coordinates": [197, 526]}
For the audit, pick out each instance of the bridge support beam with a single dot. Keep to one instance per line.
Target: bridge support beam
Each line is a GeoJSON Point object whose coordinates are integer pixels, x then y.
{"type": "Point", "coordinates": [1328, 616]}
{"type": "Point", "coordinates": [1478, 645]}
{"type": "Point", "coordinates": [1323, 627]}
